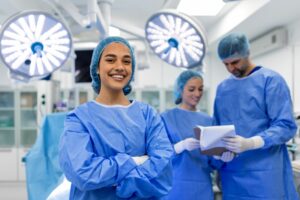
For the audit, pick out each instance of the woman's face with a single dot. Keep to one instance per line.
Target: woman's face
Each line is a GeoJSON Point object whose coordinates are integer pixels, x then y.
{"type": "Point", "coordinates": [192, 93]}
{"type": "Point", "coordinates": [115, 67]}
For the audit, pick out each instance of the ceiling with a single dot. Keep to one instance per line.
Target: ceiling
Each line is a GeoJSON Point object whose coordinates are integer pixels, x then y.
{"type": "Point", "coordinates": [252, 17]}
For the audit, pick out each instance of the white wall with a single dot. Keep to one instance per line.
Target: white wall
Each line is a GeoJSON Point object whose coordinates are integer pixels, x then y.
{"type": "Point", "coordinates": [158, 75]}
{"type": "Point", "coordinates": [4, 79]}
{"type": "Point", "coordinates": [285, 61]}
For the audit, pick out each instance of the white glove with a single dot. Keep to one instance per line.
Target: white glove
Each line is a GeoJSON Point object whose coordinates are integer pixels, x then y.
{"type": "Point", "coordinates": [140, 159]}
{"type": "Point", "coordinates": [225, 157]}
{"type": "Point", "coordinates": [239, 144]}
{"type": "Point", "coordinates": [186, 144]}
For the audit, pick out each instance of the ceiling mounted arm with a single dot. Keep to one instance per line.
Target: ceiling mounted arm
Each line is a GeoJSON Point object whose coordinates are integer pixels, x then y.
{"type": "Point", "coordinates": [95, 17]}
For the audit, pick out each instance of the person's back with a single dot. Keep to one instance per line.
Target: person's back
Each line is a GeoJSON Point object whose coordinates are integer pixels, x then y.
{"type": "Point", "coordinates": [257, 101]}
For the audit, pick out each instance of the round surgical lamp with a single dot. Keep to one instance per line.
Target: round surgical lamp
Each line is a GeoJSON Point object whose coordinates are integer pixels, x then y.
{"type": "Point", "coordinates": [176, 39]}
{"type": "Point", "coordinates": [33, 45]}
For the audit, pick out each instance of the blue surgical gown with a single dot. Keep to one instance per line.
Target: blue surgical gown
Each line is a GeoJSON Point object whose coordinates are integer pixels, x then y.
{"type": "Point", "coordinates": [259, 104]}
{"type": "Point", "coordinates": [191, 170]}
{"type": "Point", "coordinates": [96, 149]}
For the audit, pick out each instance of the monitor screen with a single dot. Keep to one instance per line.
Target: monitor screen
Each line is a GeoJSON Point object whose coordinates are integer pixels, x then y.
{"type": "Point", "coordinates": [82, 66]}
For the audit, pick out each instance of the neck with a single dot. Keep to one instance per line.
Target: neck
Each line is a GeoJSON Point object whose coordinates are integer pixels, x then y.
{"type": "Point", "coordinates": [251, 66]}
{"type": "Point", "coordinates": [187, 107]}
{"type": "Point", "coordinates": [112, 98]}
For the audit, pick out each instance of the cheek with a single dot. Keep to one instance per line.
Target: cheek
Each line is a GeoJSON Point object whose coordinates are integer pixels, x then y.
{"type": "Point", "coordinates": [129, 71]}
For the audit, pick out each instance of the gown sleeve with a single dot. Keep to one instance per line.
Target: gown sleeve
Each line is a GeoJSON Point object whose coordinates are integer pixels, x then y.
{"type": "Point", "coordinates": [85, 169]}
{"type": "Point", "coordinates": [154, 177]}
{"type": "Point", "coordinates": [279, 110]}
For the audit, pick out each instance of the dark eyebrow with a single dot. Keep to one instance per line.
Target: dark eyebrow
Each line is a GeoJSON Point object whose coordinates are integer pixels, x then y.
{"type": "Point", "coordinates": [110, 55]}
{"type": "Point", "coordinates": [127, 56]}
{"type": "Point", "coordinates": [113, 55]}
{"type": "Point", "coordinates": [232, 62]}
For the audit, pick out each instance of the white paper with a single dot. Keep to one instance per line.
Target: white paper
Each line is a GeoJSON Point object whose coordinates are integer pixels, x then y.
{"type": "Point", "coordinates": [211, 136]}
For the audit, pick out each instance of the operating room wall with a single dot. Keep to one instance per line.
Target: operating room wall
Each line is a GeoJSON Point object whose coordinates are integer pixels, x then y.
{"type": "Point", "coordinates": [158, 75]}
{"type": "Point", "coordinates": [4, 79]}
{"type": "Point", "coordinates": [285, 61]}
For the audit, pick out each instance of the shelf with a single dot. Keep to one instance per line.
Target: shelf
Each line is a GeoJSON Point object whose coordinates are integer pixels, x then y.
{"type": "Point", "coordinates": [29, 128]}
{"type": "Point", "coordinates": [7, 138]}
{"type": "Point", "coordinates": [28, 137]}
{"type": "Point", "coordinates": [28, 109]}
{"type": "Point", "coordinates": [7, 128]}
{"type": "Point", "coordinates": [7, 108]}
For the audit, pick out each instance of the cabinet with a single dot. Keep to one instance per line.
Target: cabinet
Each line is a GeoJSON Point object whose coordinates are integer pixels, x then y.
{"type": "Point", "coordinates": [8, 151]}
{"type": "Point", "coordinates": [163, 99]}
{"type": "Point", "coordinates": [18, 130]}
{"type": "Point", "coordinates": [151, 97]}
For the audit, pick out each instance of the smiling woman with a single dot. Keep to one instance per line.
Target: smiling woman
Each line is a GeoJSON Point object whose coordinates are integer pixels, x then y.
{"type": "Point", "coordinates": [115, 71]}
{"type": "Point", "coordinates": [122, 148]}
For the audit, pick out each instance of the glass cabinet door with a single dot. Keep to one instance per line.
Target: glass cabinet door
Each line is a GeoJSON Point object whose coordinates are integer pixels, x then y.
{"type": "Point", "coordinates": [83, 97]}
{"type": "Point", "coordinates": [7, 119]}
{"type": "Point", "coordinates": [152, 98]}
{"type": "Point", "coordinates": [169, 100]}
{"type": "Point", "coordinates": [203, 104]}
{"type": "Point", "coordinates": [28, 118]}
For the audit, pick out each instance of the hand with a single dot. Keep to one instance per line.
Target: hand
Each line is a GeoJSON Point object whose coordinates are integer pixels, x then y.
{"type": "Point", "coordinates": [140, 159]}
{"type": "Point", "coordinates": [239, 144]}
{"type": "Point", "coordinates": [187, 144]}
{"type": "Point", "coordinates": [225, 157]}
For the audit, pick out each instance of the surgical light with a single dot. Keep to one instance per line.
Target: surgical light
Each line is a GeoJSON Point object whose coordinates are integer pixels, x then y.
{"type": "Point", "coordinates": [176, 39]}
{"type": "Point", "coordinates": [33, 45]}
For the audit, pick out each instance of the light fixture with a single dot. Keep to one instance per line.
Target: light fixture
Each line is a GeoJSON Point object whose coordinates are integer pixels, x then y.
{"type": "Point", "coordinates": [176, 39]}
{"type": "Point", "coordinates": [200, 7]}
{"type": "Point", "coordinates": [33, 45]}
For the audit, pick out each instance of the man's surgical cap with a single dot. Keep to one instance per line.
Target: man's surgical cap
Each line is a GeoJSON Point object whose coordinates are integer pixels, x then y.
{"type": "Point", "coordinates": [234, 45]}
{"type": "Point", "coordinates": [182, 79]}
{"type": "Point", "coordinates": [96, 83]}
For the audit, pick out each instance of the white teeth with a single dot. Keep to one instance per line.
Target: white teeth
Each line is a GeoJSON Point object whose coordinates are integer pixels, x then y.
{"type": "Point", "coordinates": [117, 76]}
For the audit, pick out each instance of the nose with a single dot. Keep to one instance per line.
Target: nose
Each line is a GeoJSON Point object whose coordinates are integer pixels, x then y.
{"type": "Point", "coordinates": [119, 66]}
{"type": "Point", "coordinates": [197, 93]}
{"type": "Point", "coordinates": [230, 68]}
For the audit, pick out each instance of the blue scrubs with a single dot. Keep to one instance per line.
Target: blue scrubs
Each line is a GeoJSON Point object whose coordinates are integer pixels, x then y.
{"type": "Point", "coordinates": [191, 170]}
{"type": "Point", "coordinates": [259, 104]}
{"type": "Point", "coordinates": [97, 146]}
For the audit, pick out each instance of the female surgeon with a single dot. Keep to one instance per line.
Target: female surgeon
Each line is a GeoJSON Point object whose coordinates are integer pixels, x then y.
{"type": "Point", "coordinates": [113, 148]}
{"type": "Point", "coordinates": [191, 170]}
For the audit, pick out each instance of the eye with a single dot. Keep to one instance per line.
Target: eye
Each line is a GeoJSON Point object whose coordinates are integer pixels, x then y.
{"type": "Point", "coordinates": [191, 89]}
{"type": "Point", "coordinates": [235, 62]}
{"type": "Point", "coordinates": [109, 60]}
{"type": "Point", "coordinates": [127, 61]}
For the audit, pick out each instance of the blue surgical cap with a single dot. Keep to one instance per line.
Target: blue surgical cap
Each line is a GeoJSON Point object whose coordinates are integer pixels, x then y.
{"type": "Point", "coordinates": [234, 45]}
{"type": "Point", "coordinates": [182, 79]}
{"type": "Point", "coordinates": [96, 84]}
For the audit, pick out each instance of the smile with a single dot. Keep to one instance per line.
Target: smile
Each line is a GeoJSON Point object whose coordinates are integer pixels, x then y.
{"type": "Point", "coordinates": [118, 77]}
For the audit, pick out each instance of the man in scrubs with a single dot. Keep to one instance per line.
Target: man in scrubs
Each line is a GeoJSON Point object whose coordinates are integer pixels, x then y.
{"type": "Point", "coordinates": [257, 101]}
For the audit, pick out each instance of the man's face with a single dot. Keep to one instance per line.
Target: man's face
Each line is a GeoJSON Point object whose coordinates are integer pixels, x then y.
{"type": "Point", "coordinates": [239, 67]}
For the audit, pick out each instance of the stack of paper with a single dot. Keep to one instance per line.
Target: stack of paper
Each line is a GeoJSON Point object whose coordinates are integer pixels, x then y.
{"type": "Point", "coordinates": [211, 138]}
